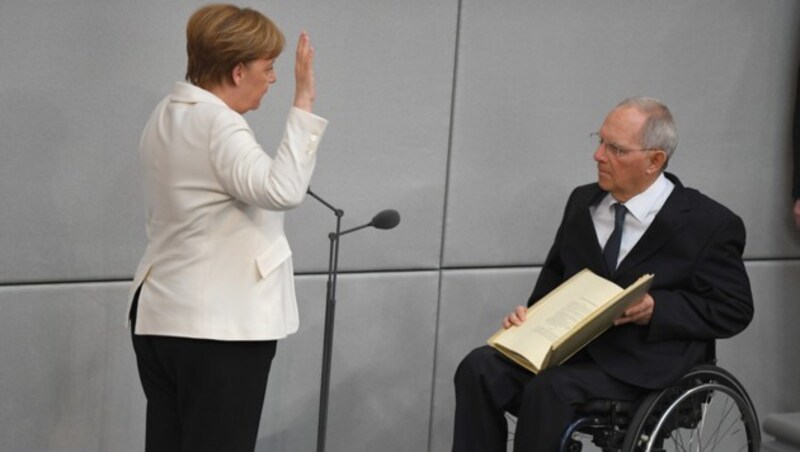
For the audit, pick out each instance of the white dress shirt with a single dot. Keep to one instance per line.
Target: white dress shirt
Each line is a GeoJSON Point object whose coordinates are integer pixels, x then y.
{"type": "Point", "coordinates": [642, 209]}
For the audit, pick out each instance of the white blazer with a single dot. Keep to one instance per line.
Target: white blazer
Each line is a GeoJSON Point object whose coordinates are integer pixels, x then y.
{"type": "Point", "coordinates": [217, 263]}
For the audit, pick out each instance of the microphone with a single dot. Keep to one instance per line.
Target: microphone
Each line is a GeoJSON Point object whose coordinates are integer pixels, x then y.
{"type": "Point", "coordinates": [385, 219]}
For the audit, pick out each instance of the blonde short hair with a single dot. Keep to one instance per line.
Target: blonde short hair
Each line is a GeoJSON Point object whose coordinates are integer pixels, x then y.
{"type": "Point", "coordinates": [219, 37]}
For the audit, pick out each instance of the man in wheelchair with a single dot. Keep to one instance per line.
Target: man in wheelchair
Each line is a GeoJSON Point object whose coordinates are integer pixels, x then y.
{"type": "Point", "coordinates": [635, 219]}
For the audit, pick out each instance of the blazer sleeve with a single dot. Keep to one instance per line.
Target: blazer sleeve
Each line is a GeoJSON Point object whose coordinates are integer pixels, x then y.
{"type": "Point", "coordinates": [248, 174]}
{"type": "Point", "coordinates": [717, 301]}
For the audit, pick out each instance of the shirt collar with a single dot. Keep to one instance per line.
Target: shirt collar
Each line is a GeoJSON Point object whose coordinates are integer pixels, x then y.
{"type": "Point", "coordinates": [640, 205]}
{"type": "Point", "coordinates": [187, 93]}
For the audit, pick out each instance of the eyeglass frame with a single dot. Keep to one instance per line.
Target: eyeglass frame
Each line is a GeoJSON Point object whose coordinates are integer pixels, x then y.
{"type": "Point", "coordinates": [616, 150]}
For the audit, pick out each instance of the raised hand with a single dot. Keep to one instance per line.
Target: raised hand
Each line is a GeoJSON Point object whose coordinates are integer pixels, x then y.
{"type": "Point", "coordinates": [305, 90]}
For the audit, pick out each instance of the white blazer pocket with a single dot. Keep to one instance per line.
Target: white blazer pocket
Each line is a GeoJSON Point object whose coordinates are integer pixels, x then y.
{"type": "Point", "coordinates": [272, 258]}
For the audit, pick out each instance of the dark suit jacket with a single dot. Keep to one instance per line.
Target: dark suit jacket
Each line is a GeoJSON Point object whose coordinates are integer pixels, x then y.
{"type": "Point", "coordinates": [701, 290]}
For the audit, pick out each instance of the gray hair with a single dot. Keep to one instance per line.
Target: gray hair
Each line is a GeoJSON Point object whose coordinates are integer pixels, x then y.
{"type": "Point", "coordinates": [659, 131]}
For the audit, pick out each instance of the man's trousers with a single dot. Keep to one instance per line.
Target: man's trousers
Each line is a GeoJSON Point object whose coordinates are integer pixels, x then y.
{"type": "Point", "coordinates": [488, 385]}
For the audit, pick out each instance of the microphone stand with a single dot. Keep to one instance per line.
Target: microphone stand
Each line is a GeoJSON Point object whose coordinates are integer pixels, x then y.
{"type": "Point", "coordinates": [386, 219]}
{"type": "Point", "coordinates": [330, 310]}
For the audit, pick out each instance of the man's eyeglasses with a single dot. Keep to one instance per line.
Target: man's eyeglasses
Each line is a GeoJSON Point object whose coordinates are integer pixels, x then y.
{"type": "Point", "coordinates": [615, 149]}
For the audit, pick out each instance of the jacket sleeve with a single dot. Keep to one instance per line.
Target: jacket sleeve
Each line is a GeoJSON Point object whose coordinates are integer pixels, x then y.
{"type": "Point", "coordinates": [718, 302]}
{"type": "Point", "coordinates": [247, 173]}
{"type": "Point", "coordinates": [552, 272]}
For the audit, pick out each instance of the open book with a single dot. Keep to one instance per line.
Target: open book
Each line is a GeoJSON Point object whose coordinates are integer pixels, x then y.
{"type": "Point", "coordinates": [567, 319]}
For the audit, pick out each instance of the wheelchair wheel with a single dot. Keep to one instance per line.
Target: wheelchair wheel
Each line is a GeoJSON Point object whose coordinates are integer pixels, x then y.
{"type": "Point", "coordinates": [707, 410]}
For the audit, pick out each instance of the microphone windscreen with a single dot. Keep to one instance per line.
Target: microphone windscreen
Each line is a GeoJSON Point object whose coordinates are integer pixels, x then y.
{"type": "Point", "coordinates": [386, 219]}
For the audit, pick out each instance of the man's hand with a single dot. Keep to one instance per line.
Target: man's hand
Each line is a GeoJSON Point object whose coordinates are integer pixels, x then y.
{"type": "Point", "coordinates": [516, 317]}
{"type": "Point", "coordinates": [640, 312]}
{"type": "Point", "coordinates": [305, 89]}
{"type": "Point", "coordinates": [796, 211]}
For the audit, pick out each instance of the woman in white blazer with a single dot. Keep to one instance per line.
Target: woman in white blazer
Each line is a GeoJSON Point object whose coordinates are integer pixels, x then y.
{"type": "Point", "coordinates": [214, 289]}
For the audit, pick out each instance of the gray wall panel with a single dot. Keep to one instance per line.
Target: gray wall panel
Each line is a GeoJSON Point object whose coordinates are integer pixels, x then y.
{"type": "Point", "coordinates": [472, 306]}
{"type": "Point", "coordinates": [764, 357]}
{"type": "Point", "coordinates": [385, 76]}
{"type": "Point", "coordinates": [69, 378]}
{"type": "Point", "coordinates": [522, 116]}
{"type": "Point", "coordinates": [85, 77]}
{"type": "Point", "coordinates": [382, 365]}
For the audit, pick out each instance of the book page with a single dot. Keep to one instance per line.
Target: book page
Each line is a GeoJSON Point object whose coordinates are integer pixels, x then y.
{"type": "Point", "coordinates": [556, 315]}
{"type": "Point", "coordinates": [588, 328]}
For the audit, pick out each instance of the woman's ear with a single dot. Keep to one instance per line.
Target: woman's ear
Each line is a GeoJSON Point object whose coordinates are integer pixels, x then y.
{"type": "Point", "coordinates": [237, 74]}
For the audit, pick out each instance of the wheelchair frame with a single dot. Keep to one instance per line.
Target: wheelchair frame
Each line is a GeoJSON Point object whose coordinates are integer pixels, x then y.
{"type": "Point", "coordinates": [669, 415]}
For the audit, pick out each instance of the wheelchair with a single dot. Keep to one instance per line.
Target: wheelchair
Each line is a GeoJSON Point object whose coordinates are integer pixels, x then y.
{"type": "Point", "coordinates": [706, 410]}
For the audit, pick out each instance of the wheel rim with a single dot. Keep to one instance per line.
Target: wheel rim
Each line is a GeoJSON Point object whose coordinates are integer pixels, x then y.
{"type": "Point", "coordinates": [721, 426]}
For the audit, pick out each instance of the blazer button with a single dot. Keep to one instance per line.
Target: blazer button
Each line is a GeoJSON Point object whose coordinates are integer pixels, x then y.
{"type": "Point", "coordinates": [312, 146]}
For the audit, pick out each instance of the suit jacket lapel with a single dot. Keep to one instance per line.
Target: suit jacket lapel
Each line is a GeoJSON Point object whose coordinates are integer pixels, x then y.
{"type": "Point", "coordinates": [668, 222]}
{"type": "Point", "coordinates": [585, 233]}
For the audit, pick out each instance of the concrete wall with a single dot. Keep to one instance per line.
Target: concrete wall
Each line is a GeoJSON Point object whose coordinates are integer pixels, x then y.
{"type": "Point", "coordinates": [469, 117]}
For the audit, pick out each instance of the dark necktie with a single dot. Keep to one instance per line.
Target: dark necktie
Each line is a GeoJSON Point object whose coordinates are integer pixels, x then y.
{"type": "Point", "coordinates": [611, 251]}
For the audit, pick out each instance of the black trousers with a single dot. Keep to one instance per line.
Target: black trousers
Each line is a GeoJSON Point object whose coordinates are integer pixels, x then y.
{"type": "Point", "coordinates": [488, 385]}
{"type": "Point", "coordinates": [202, 395]}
